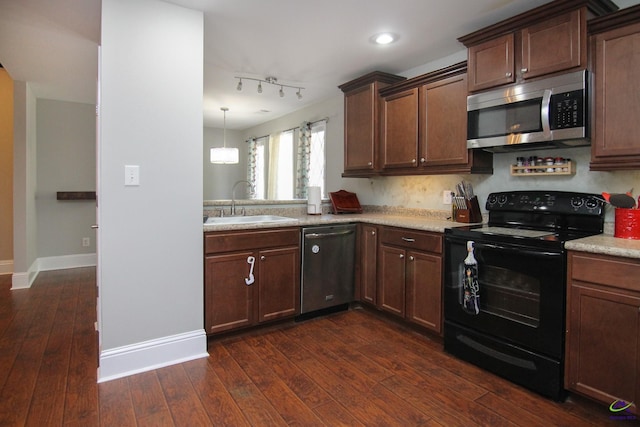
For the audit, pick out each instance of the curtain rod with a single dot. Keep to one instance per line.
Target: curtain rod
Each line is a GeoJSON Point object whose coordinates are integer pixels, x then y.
{"type": "Point", "coordinates": [326, 119]}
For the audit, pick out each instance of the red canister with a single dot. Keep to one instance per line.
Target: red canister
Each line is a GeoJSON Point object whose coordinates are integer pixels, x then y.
{"type": "Point", "coordinates": [627, 223]}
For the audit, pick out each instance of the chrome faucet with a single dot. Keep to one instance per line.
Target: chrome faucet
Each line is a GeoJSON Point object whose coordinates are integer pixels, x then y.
{"type": "Point", "coordinates": [233, 194]}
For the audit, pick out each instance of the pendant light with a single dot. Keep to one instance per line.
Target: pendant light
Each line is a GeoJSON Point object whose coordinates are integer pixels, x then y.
{"type": "Point", "coordinates": [224, 155]}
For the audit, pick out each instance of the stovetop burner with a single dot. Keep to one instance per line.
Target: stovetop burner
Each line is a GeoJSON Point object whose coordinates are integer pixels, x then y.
{"type": "Point", "coordinates": [538, 218]}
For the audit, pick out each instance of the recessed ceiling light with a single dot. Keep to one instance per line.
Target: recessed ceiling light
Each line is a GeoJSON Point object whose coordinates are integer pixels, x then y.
{"type": "Point", "coordinates": [384, 38]}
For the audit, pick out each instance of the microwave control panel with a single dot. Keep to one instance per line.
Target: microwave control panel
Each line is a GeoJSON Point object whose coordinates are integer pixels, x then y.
{"type": "Point", "coordinates": [567, 110]}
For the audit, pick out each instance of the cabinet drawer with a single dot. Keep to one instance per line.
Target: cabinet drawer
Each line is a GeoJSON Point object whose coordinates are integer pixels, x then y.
{"type": "Point", "coordinates": [229, 241]}
{"type": "Point", "coordinates": [412, 239]}
{"type": "Point", "coordinates": [605, 270]}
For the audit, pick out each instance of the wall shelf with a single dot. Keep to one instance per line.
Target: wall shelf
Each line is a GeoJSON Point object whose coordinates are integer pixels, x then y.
{"type": "Point", "coordinates": [76, 195]}
{"type": "Point", "coordinates": [569, 168]}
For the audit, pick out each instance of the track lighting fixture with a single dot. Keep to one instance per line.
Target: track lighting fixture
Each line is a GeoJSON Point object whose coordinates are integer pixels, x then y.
{"type": "Point", "coordinates": [271, 81]}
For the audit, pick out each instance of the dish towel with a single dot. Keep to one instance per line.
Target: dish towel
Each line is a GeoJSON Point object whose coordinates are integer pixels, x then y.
{"type": "Point", "coordinates": [470, 286]}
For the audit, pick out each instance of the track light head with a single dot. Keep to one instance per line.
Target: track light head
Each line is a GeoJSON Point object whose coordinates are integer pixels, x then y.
{"type": "Point", "coordinates": [299, 94]}
{"type": "Point", "coordinates": [260, 87]}
{"type": "Point", "coordinates": [239, 87]}
{"type": "Point", "coordinates": [281, 92]}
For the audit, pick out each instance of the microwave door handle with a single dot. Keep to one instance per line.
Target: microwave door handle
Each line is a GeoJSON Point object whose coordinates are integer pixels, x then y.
{"type": "Point", "coordinates": [545, 112]}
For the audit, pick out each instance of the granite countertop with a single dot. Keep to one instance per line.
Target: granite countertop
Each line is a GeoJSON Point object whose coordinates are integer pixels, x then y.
{"type": "Point", "coordinates": [605, 244]}
{"type": "Point", "coordinates": [409, 221]}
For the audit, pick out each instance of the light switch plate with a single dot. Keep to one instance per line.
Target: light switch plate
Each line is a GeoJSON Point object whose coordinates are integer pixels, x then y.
{"type": "Point", "coordinates": [131, 175]}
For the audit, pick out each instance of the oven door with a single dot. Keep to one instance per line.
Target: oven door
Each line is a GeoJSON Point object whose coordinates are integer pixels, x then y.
{"type": "Point", "coordinates": [521, 293]}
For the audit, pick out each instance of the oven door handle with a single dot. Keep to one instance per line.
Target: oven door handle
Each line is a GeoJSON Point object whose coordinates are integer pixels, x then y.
{"type": "Point", "coordinates": [519, 251]}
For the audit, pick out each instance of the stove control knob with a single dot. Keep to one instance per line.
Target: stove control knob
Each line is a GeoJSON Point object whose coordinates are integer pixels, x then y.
{"type": "Point", "coordinates": [592, 203]}
{"type": "Point", "coordinates": [502, 199]}
{"type": "Point", "coordinates": [576, 202]}
{"type": "Point", "coordinates": [492, 200]}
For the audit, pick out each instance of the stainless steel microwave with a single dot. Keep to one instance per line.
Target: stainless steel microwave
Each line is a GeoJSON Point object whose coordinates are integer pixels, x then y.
{"type": "Point", "coordinates": [543, 113]}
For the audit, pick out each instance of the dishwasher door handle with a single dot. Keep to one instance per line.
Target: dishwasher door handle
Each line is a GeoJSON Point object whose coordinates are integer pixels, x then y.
{"type": "Point", "coordinates": [323, 235]}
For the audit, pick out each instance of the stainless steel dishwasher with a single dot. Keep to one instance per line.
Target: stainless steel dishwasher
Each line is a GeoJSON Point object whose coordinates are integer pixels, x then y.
{"type": "Point", "coordinates": [328, 264]}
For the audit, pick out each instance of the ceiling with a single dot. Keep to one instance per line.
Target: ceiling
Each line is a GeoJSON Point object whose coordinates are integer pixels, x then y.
{"type": "Point", "coordinates": [318, 45]}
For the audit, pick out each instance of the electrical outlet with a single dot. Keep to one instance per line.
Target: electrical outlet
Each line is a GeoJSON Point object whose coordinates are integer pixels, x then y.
{"type": "Point", "coordinates": [86, 242]}
{"type": "Point", "coordinates": [446, 197]}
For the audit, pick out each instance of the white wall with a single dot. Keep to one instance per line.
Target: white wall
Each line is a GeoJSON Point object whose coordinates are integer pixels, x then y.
{"type": "Point", "coordinates": [24, 186]}
{"type": "Point", "coordinates": [150, 236]}
{"type": "Point", "coordinates": [66, 161]}
{"type": "Point", "coordinates": [219, 179]}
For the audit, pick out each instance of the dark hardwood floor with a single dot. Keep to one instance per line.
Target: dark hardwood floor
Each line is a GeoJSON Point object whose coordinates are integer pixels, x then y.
{"type": "Point", "coordinates": [350, 368]}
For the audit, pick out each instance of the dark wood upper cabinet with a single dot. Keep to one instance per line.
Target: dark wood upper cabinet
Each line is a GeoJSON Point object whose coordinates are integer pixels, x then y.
{"type": "Point", "coordinates": [546, 40]}
{"type": "Point", "coordinates": [424, 127]}
{"type": "Point", "coordinates": [400, 129]}
{"type": "Point", "coordinates": [615, 61]}
{"type": "Point", "coordinates": [361, 126]}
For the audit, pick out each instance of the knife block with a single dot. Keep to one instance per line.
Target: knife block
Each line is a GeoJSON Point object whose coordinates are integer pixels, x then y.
{"type": "Point", "coordinates": [471, 214]}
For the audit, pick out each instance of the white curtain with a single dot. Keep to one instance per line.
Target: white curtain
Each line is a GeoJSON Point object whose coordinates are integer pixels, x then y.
{"type": "Point", "coordinates": [274, 152]}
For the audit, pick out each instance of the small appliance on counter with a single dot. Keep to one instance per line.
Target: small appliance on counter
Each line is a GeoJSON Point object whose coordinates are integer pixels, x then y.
{"type": "Point", "coordinates": [314, 201]}
{"type": "Point", "coordinates": [344, 202]}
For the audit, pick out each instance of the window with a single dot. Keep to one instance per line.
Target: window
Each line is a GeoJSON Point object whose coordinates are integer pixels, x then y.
{"type": "Point", "coordinates": [274, 166]}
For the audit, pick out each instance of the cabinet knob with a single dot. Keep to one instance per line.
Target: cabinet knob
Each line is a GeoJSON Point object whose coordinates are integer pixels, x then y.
{"type": "Point", "coordinates": [422, 160]}
{"type": "Point", "coordinates": [411, 258]}
{"type": "Point", "coordinates": [524, 70]}
{"type": "Point", "coordinates": [370, 164]}
{"type": "Point", "coordinates": [413, 160]}
{"type": "Point", "coordinates": [401, 256]}
{"type": "Point", "coordinates": [262, 258]}
{"type": "Point", "coordinates": [373, 233]}
{"type": "Point", "coordinates": [507, 75]}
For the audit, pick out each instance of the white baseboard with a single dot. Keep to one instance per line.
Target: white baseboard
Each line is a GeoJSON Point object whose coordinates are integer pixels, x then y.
{"type": "Point", "coordinates": [66, 261]}
{"type": "Point", "coordinates": [6, 266]}
{"type": "Point", "coordinates": [24, 280]}
{"type": "Point", "coordinates": [153, 354]}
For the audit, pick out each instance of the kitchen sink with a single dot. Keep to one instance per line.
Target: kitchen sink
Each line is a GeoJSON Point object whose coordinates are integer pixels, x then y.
{"type": "Point", "coordinates": [248, 219]}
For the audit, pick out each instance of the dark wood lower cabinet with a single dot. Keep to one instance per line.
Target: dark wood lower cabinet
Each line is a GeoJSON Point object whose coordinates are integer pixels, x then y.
{"type": "Point", "coordinates": [603, 328]}
{"type": "Point", "coordinates": [250, 278]}
{"type": "Point", "coordinates": [409, 281]}
{"type": "Point", "coordinates": [279, 273]}
{"type": "Point", "coordinates": [368, 268]}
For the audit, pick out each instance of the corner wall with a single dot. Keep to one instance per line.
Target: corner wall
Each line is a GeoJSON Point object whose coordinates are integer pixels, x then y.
{"type": "Point", "coordinates": [150, 237]}
{"type": "Point", "coordinates": [25, 230]}
{"type": "Point", "coordinates": [6, 172]}
{"type": "Point", "coordinates": [66, 161]}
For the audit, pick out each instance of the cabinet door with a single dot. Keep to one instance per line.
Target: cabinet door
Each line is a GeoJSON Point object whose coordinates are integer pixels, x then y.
{"type": "Point", "coordinates": [391, 280]}
{"type": "Point", "coordinates": [368, 263]}
{"type": "Point", "coordinates": [279, 284]}
{"type": "Point", "coordinates": [443, 133]}
{"type": "Point", "coordinates": [400, 130]}
{"type": "Point", "coordinates": [491, 63]}
{"type": "Point", "coordinates": [424, 290]}
{"type": "Point", "coordinates": [616, 127]}
{"type": "Point", "coordinates": [556, 44]}
{"type": "Point", "coordinates": [604, 343]}
{"type": "Point", "coordinates": [360, 128]}
{"type": "Point", "coordinates": [228, 299]}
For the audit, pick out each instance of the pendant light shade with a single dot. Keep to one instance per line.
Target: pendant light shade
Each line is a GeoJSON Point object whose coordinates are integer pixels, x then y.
{"type": "Point", "coordinates": [223, 155]}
